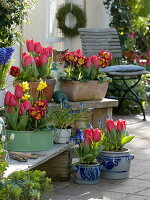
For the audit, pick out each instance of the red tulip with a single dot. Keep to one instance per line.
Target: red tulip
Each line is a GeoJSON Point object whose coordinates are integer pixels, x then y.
{"type": "Point", "coordinates": [42, 60]}
{"type": "Point", "coordinates": [14, 71]}
{"type": "Point", "coordinates": [27, 60]}
{"type": "Point", "coordinates": [88, 62]}
{"type": "Point", "coordinates": [27, 104]}
{"type": "Point", "coordinates": [30, 45]}
{"type": "Point", "coordinates": [110, 125]}
{"type": "Point", "coordinates": [88, 133]}
{"type": "Point", "coordinates": [47, 51]}
{"type": "Point", "coordinates": [97, 134]}
{"type": "Point", "coordinates": [7, 97]}
{"type": "Point", "coordinates": [18, 91]}
{"type": "Point", "coordinates": [36, 59]}
{"type": "Point", "coordinates": [94, 60]}
{"type": "Point", "coordinates": [38, 47]}
{"type": "Point", "coordinates": [121, 125]}
{"type": "Point", "coordinates": [22, 109]}
{"type": "Point", "coordinates": [24, 54]}
{"type": "Point", "coordinates": [148, 61]}
{"type": "Point", "coordinates": [13, 100]}
{"type": "Point", "coordinates": [10, 108]}
{"type": "Point", "coordinates": [88, 141]}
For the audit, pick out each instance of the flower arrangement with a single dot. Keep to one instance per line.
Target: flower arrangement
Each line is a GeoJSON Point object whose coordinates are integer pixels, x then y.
{"type": "Point", "coordinates": [22, 111]}
{"type": "Point", "coordinates": [115, 135]}
{"type": "Point", "coordinates": [89, 145]}
{"type": "Point", "coordinates": [35, 65]}
{"type": "Point", "coordinates": [5, 62]}
{"type": "Point", "coordinates": [82, 68]}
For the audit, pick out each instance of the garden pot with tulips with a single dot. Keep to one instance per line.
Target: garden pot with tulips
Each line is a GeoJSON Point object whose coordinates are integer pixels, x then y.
{"type": "Point", "coordinates": [83, 78]}
{"type": "Point", "coordinates": [87, 170]}
{"type": "Point", "coordinates": [116, 160]}
{"type": "Point", "coordinates": [26, 118]}
{"type": "Point", "coordinates": [36, 66]}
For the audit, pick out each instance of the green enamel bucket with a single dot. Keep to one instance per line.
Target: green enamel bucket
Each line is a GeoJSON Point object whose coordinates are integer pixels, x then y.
{"type": "Point", "coordinates": [39, 140]}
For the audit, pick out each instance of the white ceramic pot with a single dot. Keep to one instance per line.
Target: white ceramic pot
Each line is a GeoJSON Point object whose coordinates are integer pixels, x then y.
{"type": "Point", "coordinates": [2, 95]}
{"type": "Point", "coordinates": [62, 136]}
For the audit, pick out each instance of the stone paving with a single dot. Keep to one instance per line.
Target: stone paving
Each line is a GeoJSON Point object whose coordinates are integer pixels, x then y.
{"type": "Point", "coordinates": [136, 187]}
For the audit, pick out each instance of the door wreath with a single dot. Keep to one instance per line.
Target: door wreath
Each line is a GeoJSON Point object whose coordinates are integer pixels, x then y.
{"type": "Point", "coordinates": [61, 17]}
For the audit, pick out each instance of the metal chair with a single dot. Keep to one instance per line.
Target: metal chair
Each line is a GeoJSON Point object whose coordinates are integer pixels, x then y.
{"type": "Point", "coordinates": [94, 40]}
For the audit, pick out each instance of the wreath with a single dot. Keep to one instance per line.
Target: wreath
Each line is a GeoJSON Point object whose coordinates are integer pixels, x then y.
{"type": "Point", "coordinates": [61, 17]}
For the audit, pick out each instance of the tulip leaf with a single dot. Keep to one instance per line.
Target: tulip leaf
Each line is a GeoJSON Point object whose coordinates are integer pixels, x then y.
{"type": "Point", "coordinates": [126, 139]}
{"type": "Point", "coordinates": [22, 123]}
{"type": "Point", "coordinates": [86, 148]}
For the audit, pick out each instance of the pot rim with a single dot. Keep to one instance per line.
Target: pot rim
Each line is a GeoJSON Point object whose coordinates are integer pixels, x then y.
{"type": "Point", "coordinates": [74, 81]}
{"type": "Point", "coordinates": [86, 165]}
{"type": "Point", "coordinates": [117, 152]}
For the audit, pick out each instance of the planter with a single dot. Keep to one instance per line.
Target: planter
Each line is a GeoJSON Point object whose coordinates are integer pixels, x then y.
{"type": "Point", "coordinates": [62, 136]}
{"type": "Point", "coordinates": [84, 91]}
{"type": "Point", "coordinates": [2, 95]}
{"type": "Point", "coordinates": [30, 140]}
{"type": "Point", "coordinates": [116, 165]}
{"type": "Point", "coordinates": [48, 91]}
{"type": "Point", "coordinates": [87, 174]}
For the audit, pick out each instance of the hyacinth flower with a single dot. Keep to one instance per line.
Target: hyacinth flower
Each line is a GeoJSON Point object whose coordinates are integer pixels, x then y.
{"type": "Point", "coordinates": [5, 62]}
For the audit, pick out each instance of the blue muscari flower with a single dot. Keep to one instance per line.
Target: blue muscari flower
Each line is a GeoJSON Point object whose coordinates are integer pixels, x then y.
{"type": "Point", "coordinates": [100, 123]}
{"type": "Point", "coordinates": [2, 55]}
{"type": "Point", "coordinates": [81, 105]}
{"type": "Point", "coordinates": [78, 136]}
{"type": "Point", "coordinates": [66, 105]}
{"type": "Point", "coordinates": [9, 52]}
{"type": "Point", "coordinates": [108, 117]}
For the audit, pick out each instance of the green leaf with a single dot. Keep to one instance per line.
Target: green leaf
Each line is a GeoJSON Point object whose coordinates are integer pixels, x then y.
{"type": "Point", "coordinates": [22, 123]}
{"type": "Point", "coordinates": [126, 139]}
{"type": "Point", "coordinates": [93, 73]}
{"type": "Point", "coordinates": [86, 148]}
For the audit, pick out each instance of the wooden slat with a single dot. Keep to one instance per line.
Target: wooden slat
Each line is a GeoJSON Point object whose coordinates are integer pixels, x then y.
{"type": "Point", "coordinates": [94, 40]}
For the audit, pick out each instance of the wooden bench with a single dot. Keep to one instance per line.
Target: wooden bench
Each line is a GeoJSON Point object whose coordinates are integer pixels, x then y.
{"type": "Point", "coordinates": [100, 109]}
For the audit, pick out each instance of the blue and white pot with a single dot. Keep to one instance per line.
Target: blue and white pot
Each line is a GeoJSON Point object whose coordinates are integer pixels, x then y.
{"type": "Point", "coordinates": [116, 165]}
{"type": "Point", "coordinates": [87, 174]}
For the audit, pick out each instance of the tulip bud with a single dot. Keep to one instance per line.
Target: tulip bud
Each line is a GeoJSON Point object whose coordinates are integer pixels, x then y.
{"type": "Point", "coordinates": [7, 97]}
{"type": "Point", "coordinates": [88, 62]}
{"type": "Point", "coordinates": [97, 135]}
{"type": "Point", "coordinates": [121, 125]}
{"type": "Point", "coordinates": [18, 91]}
{"type": "Point", "coordinates": [30, 45]}
{"type": "Point", "coordinates": [110, 125]}
{"type": "Point", "coordinates": [94, 60]}
{"type": "Point", "coordinates": [22, 109]}
{"type": "Point", "coordinates": [47, 51]}
{"type": "Point", "coordinates": [27, 60]}
{"type": "Point", "coordinates": [13, 100]}
{"type": "Point", "coordinates": [42, 60]}
{"type": "Point", "coordinates": [38, 47]}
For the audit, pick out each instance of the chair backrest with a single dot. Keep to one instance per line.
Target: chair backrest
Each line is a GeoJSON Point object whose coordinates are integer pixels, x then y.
{"type": "Point", "coordinates": [94, 40]}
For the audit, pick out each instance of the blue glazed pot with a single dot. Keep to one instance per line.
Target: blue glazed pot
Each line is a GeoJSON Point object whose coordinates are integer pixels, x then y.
{"type": "Point", "coordinates": [87, 174]}
{"type": "Point", "coordinates": [116, 165]}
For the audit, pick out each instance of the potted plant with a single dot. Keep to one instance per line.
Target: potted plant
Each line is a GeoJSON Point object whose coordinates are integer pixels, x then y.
{"type": "Point", "coordinates": [5, 62]}
{"type": "Point", "coordinates": [115, 158]}
{"type": "Point", "coordinates": [35, 66]}
{"type": "Point", "coordinates": [62, 118]}
{"type": "Point", "coordinates": [83, 78]}
{"type": "Point", "coordinates": [87, 169]}
{"type": "Point", "coordinates": [26, 117]}
{"type": "Point", "coordinates": [25, 185]}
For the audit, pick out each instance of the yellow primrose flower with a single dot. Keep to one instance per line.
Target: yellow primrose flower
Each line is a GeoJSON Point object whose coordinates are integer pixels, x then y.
{"type": "Point", "coordinates": [25, 97]}
{"type": "Point", "coordinates": [25, 85]}
{"type": "Point", "coordinates": [41, 85]}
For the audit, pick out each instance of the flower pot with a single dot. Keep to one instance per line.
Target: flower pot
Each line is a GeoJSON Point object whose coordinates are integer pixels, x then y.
{"type": "Point", "coordinates": [62, 136]}
{"type": "Point", "coordinates": [87, 174]}
{"type": "Point", "coordinates": [30, 140]}
{"type": "Point", "coordinates": [2, 95]}
{"type": "Point", "coordinates": [84, 91]}
{"type": "Point", "coordinates": [48, 91]}
{"type": "Point", "coordinates": [116, 165]}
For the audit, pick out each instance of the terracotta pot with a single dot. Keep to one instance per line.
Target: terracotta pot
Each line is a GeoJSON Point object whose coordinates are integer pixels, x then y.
{"type": "Point", "coordinates": [84, 91]}
{"type": "Point", "coordinates": [48, 91]}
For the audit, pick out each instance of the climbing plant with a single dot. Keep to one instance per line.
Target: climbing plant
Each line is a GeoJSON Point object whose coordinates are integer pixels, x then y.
{"type": "Point", "coordinates": [12, 14]}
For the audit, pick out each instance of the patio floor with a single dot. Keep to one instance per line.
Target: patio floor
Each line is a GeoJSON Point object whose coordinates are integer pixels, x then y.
{"type": "Point", "coordinates": [136, 187]}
